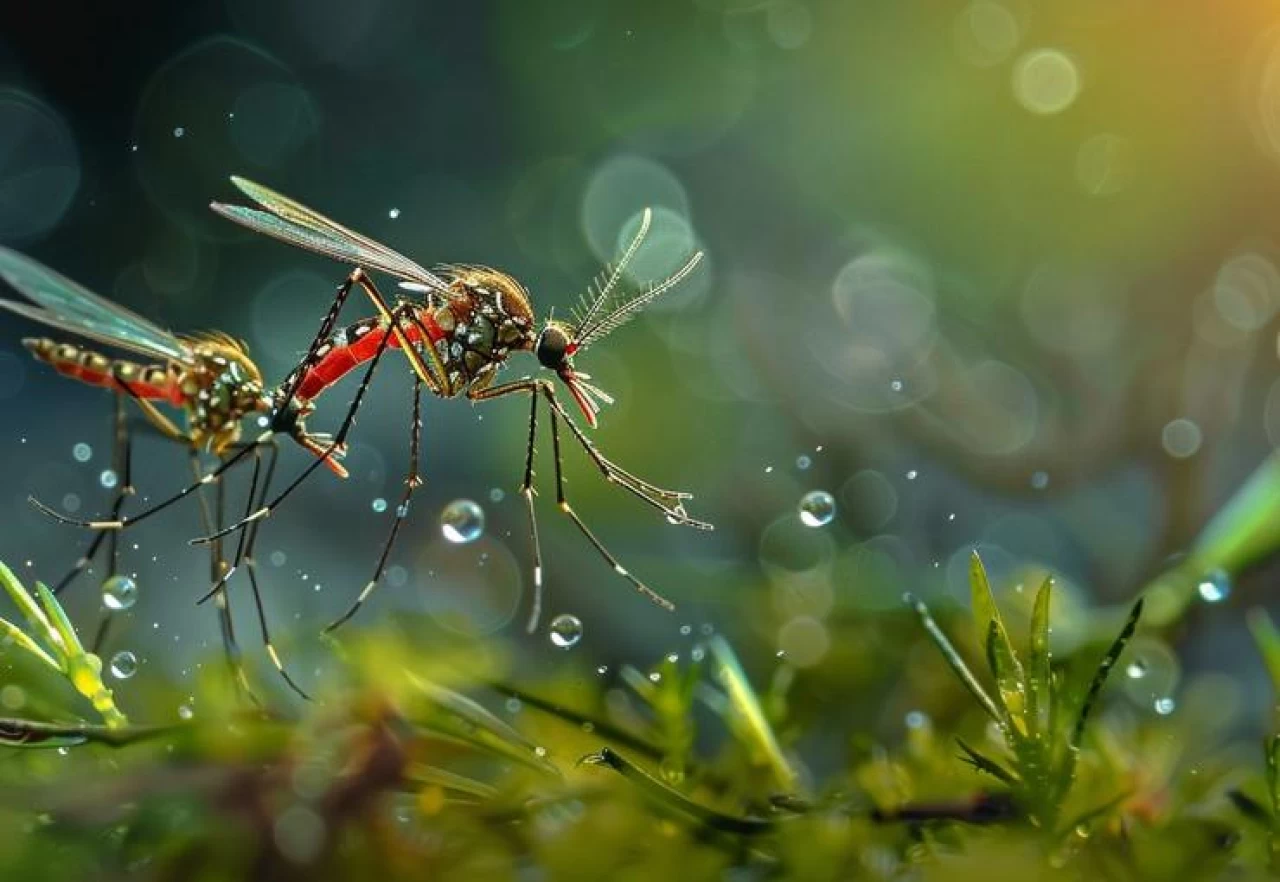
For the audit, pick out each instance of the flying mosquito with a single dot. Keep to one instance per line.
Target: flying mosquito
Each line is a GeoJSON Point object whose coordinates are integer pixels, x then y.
{"type": "Point", "coordinates": [209, 377]}
{"type": "Point", "coordinates": [457, 333]}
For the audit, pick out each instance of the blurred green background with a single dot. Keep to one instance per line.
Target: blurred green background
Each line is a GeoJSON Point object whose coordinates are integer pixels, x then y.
{"type": "Point", "coordinates": [994, 274]}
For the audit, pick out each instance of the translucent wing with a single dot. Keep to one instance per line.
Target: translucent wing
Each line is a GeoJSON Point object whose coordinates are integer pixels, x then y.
{"type": "Point", "coordinates": [298, 225]}
{"type": "Point", "coordinates": [69, 306]}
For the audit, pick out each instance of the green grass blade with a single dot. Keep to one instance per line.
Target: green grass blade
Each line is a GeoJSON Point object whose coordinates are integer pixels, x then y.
{"type": "Point", "coordinates": [1272, 748]}
{"type": "Point", "coordinates": [1039, 675]}
{"type": "Point", "coordinates": [746, 705]}
{"type": "Point", "coordinates": [31, 611]}
{"type": "Point", "coordinates": [957, 663]}
{"type": "Point", "coordinates": [1005, 667]}
{"type": "Point", "coordinates": [986, 764]}
{"type": "Point", "coordinates": [58, 618]}
{"type": "Point", "coordinates": [11, 633]}
{"type": "Point", "coordinates": [1104, 670]}
{"type": "Point", "coordinates": [1267, 639]}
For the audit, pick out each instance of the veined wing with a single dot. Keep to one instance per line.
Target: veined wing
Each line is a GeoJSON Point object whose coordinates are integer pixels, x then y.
{"type": "Point", "coordinates": [71, 307]}
{"type": "Point", "coordinates": [298, 225]}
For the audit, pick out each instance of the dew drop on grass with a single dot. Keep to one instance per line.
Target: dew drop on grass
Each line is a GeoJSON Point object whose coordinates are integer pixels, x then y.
{"type": "Point", "coordinates": [817, 508]}
{"type": "Point", "coordinates": [185, 712]}
{"type": "Point", "coordinates": [124, 664]}
{"type": "Point", "coordinates": [119, 593]}
{"type": "Point", "coordinates": [565, 631]}
{"type": "Point", "coordinates": [462, 521]}
{"type": "Point", "coordinates": [1214, 587]}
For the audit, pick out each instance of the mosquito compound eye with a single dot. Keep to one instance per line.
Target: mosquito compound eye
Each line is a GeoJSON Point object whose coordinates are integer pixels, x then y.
{"type": "Point", "coordinates": [553, 342]}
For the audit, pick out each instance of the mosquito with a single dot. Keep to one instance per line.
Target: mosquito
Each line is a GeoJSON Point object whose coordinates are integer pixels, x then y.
{"type": "Point", "coordinates": [209, 377]}
{"type": "Point", "coordinates": [457, 326]}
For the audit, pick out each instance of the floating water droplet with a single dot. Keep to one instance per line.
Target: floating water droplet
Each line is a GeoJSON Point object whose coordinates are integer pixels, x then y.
{"type": "Point", "coordinates": [655, 677]}
{"type": "Point", "coordinates": [1164, 706]}
{"type": "Point", "coordinates": [896, 385]}
{"type": "Point", "coordinates": [1214, 587]}
{"type": "Point", "coordinates": [565, 631]}
{"type": "Point", "coordinates": [185, 712]}
{"type": "Point", "coordinates": [497, 494]}
{"type": "Point", "coordinates": [82, 452]}
{"type": "Point", "coordinates": [803, 462]}
{"type": "Point", "coordinates": [602, 670]}
{"type": "Point", "coordinates": [912, 475]}
{"type": "Point", "coordinates": [108, 478]}
{"type": "Point", "coordinates": [513, 705]}
{"type": "Point", "coordinates": [686, 630]}
{"type": "Point", "coordinates": [916, 719]}
{"type": "Point", "coordinates": [817, 508]}
{"type": "Point", "coordinates": [393, 213]}
{"type": "Point", "coordinates": [179, 132]}
{"type": "Point", "coordinates": [124, 664]}
{"type": "Point", "coordinates": [462, 521]}
{"type": "Point", "coordinates": [1039, 480]}
{"type": "Point", "coordinates": [119, 592]}
{"type": "Point", "coordinates": [379, 505]}
{"type": "Point", "coordinates": [1136, 669]}
{"type": "Point", "coordinates": [952, 516]}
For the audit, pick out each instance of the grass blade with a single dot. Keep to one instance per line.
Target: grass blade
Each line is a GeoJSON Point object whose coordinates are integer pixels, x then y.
{"type": "Point", "coordinates": [953, 658]}
{"type": "Point", "coordinates": [1039, 676]}
{"type": "Point", "coordinates": [1267, 639]}
{"type": "Point", "coordinates": [988, 765]}
{"type": "Point", "coordinates": [1103, 671]}
{"type": "Point", "coordinates": [40, 625]}
{"type": "Point", "coordinates": [1000, 655]}
{"type": "Point", "coordinates": [747, 709]}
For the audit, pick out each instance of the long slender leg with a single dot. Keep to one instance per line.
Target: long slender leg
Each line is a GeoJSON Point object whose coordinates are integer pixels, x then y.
{"type": "Point", "coordinates": [612, 561]}
{"type": "Point", "coordinates": [338, 439]}
{"type": "Point", "coordinates": [411, 482]}
{"type": "Point", "coordinates": [121, 461]}
{"type": "Point", "coordinates": [526, 490]}
{"type": "Point", "coordinates": [533, 388]}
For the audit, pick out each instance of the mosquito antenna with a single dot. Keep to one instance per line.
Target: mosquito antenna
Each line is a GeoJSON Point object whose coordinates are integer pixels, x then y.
{"type": "Point", "coordinates": [629, 309]}
{"type": "Point", "coordinates": [613, 274]}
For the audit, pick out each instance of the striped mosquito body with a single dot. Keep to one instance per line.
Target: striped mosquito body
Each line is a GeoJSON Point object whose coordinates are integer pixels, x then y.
{"type": "Point", "coordinates": [456, 333]}
{"type": "Point", "coordinates": [209, 378]}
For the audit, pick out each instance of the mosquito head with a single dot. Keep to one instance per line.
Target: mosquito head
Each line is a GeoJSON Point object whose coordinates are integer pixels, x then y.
{"type": "Point", "coordinates": [555, 348]}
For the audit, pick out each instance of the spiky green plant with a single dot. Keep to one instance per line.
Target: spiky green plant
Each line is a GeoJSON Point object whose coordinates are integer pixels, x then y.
{"type": "Point", "coordinates": [1029, 704]}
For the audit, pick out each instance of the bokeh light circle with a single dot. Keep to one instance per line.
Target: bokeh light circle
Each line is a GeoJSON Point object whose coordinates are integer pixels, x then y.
{"type": "Point", "coordinates": [473, 588]}
{"type": "Point", "coordinates": [39, 167]}
{"type": "Point", "coordinates": [1046, 81]}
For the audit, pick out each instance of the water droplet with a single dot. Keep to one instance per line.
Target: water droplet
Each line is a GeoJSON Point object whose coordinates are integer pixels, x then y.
{"type": "Point", "coordinates": [602, 670]}
{"type": "Point", "coordinates": [497, 494]}
{"type": "Point", "coordinates": [82, 452]}
{"type": "Point", "coordinates": [1039, 480]}
{"type": "Point", "coordinates": [540, 750]}
{"type": "Point", "coordinates": [698, 653]}
{"type": "Point", "coordinates": [462, 521]}
{"type": "Point", "coordinates": [119, 592]}
{"type": "Point", "coordinates": [565, 631]}
{"type": "Point", "coordinates": [1136, 669]}
{"type": "Point", "coordinates": [179, 132]}
{"type": "Point", "coordinates": [379, 505]}
{"type": "Point", "coordinates": [1214, 587]}
{"type": "Point", "coordinates": [108, 478]}
{"type": "Point", "coordinates": [803, 462]}
{"type": "Point", "coordinates": [278, 558]}
{"type": "Point", "coordinates": [686, 630]}
{"type": "Point", "coordinates": [513, 705]}
{"type": "Point", "coordinates": [655, 677]}
{"type": "Point", "coordinates": [1164, 706]}
{"type": "Point", "coordinates": [124, 664]}
{"type": "Point", "coordinates": [768, 470]}
{"type": "Point", "coordinates": [393, 213]}
{"type": "Point", "coordinates": [952, 516]}
{"type": "Point", "coordinates": [185, 712]}
{"type": "Point", "coordinates": [916, 719]}
{"type": "Point", "coordinates": [817, 508]}
{"type": "Point", "coordinates": [912, 475]}
{"type": "Point", "coordinates": [896, 385]}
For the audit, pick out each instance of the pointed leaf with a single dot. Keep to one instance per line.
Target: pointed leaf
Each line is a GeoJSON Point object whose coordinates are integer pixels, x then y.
{"type": "Point", "coordinates": [1273, 774]}
{"type": "Point", "coordinates": [957, 663]}
{"type": "Point", "coordinates": [988, 765]}
{"type": "Point", "coordinates": [11, 633]}
{"type": "Point", "coordinates": [1000, 655]}
{"type": "Point", "coordinates": [40, 624]}
{"type": "Point", "coordinates": [1267, 639]}
{"type": "Point", "coordinates": [1039, 675]}
{"type": "Point", "coordinates": [1104, 670]}
{"type": "Point", "coordinates": [58, 618]}
{"type": "Point", "coordinates": [748, 711]}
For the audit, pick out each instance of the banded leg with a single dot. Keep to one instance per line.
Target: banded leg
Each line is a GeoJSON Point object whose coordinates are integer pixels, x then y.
{"type": "Point", "coordinates": [411, 482]}
{"type": "Point", "coordinates": [533, 388]}
{"type": "Point", "coordinates": [121, 462]}
{"type": "Point", "coordinates": [339, 439]}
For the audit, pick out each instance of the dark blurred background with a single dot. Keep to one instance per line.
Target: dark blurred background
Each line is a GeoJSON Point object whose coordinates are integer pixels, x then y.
{"type": "Point", "coordinates": [992, 273]}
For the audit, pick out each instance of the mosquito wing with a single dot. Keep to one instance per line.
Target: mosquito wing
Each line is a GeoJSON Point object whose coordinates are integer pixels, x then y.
{"type": "Point", "coordinates": [298, 225]}
{"type": "Point", "coordinates": [69, 306]}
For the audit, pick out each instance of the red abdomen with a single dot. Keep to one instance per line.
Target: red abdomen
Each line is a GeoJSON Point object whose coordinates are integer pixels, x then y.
{"type": "Point", "coordinates": [153, 382]}
{"type": "Point", "coordinates": [353, 346]}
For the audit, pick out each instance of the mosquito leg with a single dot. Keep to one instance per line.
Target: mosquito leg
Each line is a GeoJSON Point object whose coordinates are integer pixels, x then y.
{"type": "Point", "coordinates": [526, 490]}
{"type": "Point", "coordinates": [327, 324]}
{"type": "Point", "coordinates": [338, 440]}
{"type": "Point", "coordinates": [411, 482]}
{"type": "Point", "coordinates": [120, 453]}
{"type": "Point", "coordinates": [563, 503]}
{"type": "Point", "coordinates": [433, 377]}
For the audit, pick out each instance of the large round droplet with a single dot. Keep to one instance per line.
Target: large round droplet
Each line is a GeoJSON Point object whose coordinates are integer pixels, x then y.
{"type": "Point", "coordinates": [462, 521]}
{"type": "Point", "coordinates": [124, 664]}
{"type": "Point", "coordinates": [119, 592]}
{"type": "Point", "coordinates": [565, 631]}
{"type": "Point", "coordinates": [817, 508]}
